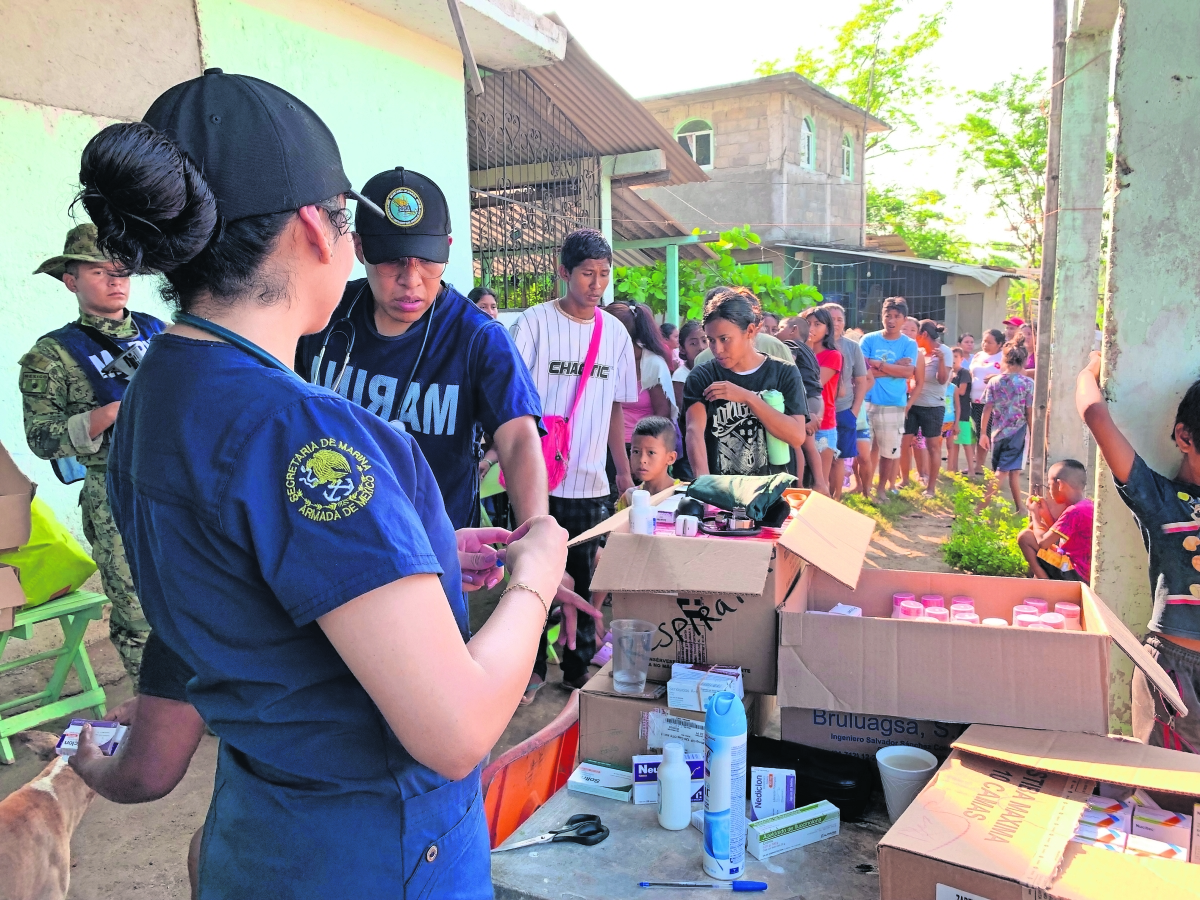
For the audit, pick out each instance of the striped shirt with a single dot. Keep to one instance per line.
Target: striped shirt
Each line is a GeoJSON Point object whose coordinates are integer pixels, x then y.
{"type": "Point", "coordinates": [554, 347]}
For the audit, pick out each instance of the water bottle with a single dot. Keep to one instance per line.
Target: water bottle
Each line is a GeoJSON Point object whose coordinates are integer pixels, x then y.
{"type": "Point", "coordinates": [779, 453]}
{"type": "Point", "coordinates": [674, 789]}
{"type": "Point", "coordinates": [641, 514]}
{"type": "Point", "coordinates": [725, 787]}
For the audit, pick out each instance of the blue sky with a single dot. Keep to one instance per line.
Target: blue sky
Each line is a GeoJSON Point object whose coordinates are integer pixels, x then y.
{"type": "Point", "coordinates": [656, 46]}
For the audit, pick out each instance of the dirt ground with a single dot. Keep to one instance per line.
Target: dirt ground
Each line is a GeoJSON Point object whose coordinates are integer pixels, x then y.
{"type": "Point", "coordinates": [140, 851]}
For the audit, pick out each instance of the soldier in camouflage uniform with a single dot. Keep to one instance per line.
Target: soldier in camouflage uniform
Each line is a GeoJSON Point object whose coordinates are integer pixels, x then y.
{"type": "Point", "coordinates": [70, 405]}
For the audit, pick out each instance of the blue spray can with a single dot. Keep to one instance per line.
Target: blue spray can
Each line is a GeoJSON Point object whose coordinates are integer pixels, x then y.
{"type": "Point", "coordinates": [725, 787]}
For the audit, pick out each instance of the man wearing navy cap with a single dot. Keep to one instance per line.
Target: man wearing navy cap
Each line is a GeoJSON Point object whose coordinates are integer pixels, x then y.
{"type": "Point", "coordinates": [412, 350]}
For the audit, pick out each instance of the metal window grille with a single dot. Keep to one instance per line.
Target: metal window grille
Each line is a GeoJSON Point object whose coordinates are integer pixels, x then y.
{"type": "Point", "coordinates": [534, 179]}
{"type": "Point", "coordinates": [863, 286]}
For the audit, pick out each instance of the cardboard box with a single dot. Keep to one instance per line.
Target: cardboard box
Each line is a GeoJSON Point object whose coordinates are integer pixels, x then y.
{"type": "Point", "coordinates": [926, 670]}
{"type": "Point", "coordinates": [997, 820]}
{"type": "Point", "coordinates": [862, 735]}
{"type": "Point", "coordinates": [16, 495]}
{"type": "Point", "coordinates": [714, 600]}
{"type": "Point", "coordinates": [612, 725]}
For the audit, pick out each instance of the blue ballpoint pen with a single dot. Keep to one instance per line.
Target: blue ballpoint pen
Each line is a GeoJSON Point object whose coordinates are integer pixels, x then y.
{"type": "Point", "coordinates": [711, 885]}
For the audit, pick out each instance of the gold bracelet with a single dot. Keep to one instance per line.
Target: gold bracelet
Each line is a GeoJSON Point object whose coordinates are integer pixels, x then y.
{"type": "Point", "coordinates": [523, 586]}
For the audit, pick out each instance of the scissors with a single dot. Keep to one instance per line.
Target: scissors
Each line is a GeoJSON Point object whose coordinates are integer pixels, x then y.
{"type": "Point", "coordinates": [581, 829]}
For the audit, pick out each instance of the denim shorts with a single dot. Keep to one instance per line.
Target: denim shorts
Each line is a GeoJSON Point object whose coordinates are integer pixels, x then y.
{"type": "Point", "coordinates": [847, 439]}
{"type": "Point", "coordinates": [1008, 453]}
{"type": "Point", "coordinates": [827, 440]}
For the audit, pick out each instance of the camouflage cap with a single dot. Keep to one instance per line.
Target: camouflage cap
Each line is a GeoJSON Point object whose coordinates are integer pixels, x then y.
{"type": "Point", "coordinates": [80, 246]}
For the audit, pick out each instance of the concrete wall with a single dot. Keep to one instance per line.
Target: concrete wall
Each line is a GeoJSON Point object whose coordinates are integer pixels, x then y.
{"type": "Point", "coordinates": [69, 68]}
{"type": "Point", "coordinates": [757, 176]}
{"type": "Point", "coordinates": [1151, 325]}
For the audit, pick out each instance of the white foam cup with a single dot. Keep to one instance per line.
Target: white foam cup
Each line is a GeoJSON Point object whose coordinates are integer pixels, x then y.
{"type": "Point", "coordinates": [904, 771]}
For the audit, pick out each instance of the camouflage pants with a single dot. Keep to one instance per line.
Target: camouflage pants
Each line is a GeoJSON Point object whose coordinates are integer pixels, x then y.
{"type": "Point", "coordinates": [127, 625]}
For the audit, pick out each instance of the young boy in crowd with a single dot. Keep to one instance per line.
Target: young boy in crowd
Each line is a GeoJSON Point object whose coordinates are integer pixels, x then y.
{"type": "Point", "coordinates": [1058, 545]}
{"type": "Point", "coordinates": [651, 455]}
{"type": "Point", "coordinates": [960, 381]}
{"type": "Point", "coordinates": [1167, 511]}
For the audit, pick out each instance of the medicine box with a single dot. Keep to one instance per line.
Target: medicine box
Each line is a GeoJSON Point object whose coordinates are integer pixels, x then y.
{"type": "Point", "coordinates": [602, 780]}
{"type": "Point", "coordinates": [692, 685]}
{"type": "Point", "coordinates": [1119, 820]}
{"type": "Point", "coordinates": [107, 735]}
{"type": "Point", "coordinates": [645, 777]}
{"type": "Point", "coordinates": [1161, 825]}
{"type": "Point", "coordinates": [772, 791]}
{"type": "Point", "coordinates": [1144, 846]}
{"type": "Point", "coordinates": [796, 828]}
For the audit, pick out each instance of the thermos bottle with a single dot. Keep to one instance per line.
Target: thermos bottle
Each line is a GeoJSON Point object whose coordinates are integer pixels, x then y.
{"type": "Point", "coordinates": [779, 453]}
{"type": "Point", "coordinates": [725, 787]}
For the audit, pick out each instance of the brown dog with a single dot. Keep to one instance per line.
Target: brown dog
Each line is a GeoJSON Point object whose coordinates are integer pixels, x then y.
{"type": "Point", "coordinates": [36, 824]}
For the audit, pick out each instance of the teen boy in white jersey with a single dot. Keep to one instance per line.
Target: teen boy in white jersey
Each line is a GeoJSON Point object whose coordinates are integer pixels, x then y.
{"type": "Point", "coordinates": [553, 339]}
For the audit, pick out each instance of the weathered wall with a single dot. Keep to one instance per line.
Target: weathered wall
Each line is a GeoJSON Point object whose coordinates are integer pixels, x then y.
{"type": "Point", "coordinates": [1152, 329]}
{"type": "Point", "coordinates": [68, 69]}
{"type": "Point", "coordinates": [757, 176]}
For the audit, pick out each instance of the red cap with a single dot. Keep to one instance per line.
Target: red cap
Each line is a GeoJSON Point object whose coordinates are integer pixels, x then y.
{"type": "Point", "coordinates": [1014, 320]}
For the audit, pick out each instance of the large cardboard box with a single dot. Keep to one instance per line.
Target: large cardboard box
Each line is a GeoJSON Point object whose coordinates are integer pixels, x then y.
{"type": "Point", "coordinates": [16, 495]}
{"type": "Point", "coordinates": [950, 673]}
{"type": "Point", "coordinates": [996, 820]}
{"type": "Point", "coordinates": [715, 600]}
{"type": "Point", "coordinates": [611, 725]}
{"type": "Point", "coordinates": [860, 734]}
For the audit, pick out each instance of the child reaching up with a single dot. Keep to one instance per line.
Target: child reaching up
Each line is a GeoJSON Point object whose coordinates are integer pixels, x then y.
{"type": "Point", "coordinates": [1058, 545]}
{"type": "Point", "coordinates": [1167, 511]}
{"type": "Point", "coordinates": [1007, 415]}
{"type": "Point", "coordinates": [727, 419]}
{"type": "Point", "coordinates": [651, 455]}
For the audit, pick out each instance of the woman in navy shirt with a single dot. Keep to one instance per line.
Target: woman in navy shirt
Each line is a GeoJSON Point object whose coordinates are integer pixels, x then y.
{"type": "Point", "coordinates": [289, 546]}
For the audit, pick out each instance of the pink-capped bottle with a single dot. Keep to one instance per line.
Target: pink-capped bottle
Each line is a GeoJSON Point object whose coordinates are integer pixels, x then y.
{"type": "Point", "coordinates": [1023, 609]}
{"type": "Point", "coordinates": [1040, 605]}
{"type": "Point", "coordinates": [995, 623]}
{"type": "Point", "coordinates": [1027, 620]}
{"type": "Point", "coordinates": [897, 600]}
{"type": "Point", "coordinates": [1038, 626]}
{"type": "Point", "coordinates": [1070, 612]}
{"type": "Point", "coordinates": [1054, 620]}
{"type": "Point", "coordinates": [937, 614]}
{"type": "Point", "coordinates": [911, 609]}
{"type": "Point", "coordinates": [957, 608]}
{"type": "Point", "coordinates": [933, 600]}
{"type": "Point", "coordinates": [970, 601]}
{"type": "Point", "coordinates": [965, 618]}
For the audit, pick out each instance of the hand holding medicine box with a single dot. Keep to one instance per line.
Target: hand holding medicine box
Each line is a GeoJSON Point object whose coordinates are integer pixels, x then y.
{"type": "Point", "coordinates": [692, 685]}
{"type": "Point", "coordinates": [107, 735]}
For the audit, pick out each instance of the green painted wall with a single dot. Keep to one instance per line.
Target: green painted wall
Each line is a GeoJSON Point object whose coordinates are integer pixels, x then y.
{"type": "Point", "coordinates": [39, 159]}
{"type": "Point", "coordinates": [390, 96]}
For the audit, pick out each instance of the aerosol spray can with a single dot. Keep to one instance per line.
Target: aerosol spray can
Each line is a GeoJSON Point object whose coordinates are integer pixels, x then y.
{"type": "Point", "coordinates": [725, 787]}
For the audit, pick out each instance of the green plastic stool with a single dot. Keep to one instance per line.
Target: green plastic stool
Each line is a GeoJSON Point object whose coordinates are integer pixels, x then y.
{"type": "Point", "coordinates": [73, 612]}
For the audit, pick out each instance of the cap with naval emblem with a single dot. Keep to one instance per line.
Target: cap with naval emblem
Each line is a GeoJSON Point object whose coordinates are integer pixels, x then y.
{"type": "Point", "coordinates": [261, 150]}
{"type": "Point", "coordinates": [416, 218]}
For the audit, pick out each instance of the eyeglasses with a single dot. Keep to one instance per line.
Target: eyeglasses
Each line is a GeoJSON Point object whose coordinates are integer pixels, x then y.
{"type": "Point", "coordinates": [426, 268]}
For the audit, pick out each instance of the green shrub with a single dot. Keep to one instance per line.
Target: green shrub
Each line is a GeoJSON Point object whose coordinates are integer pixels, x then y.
{"type": "Point", "coordinates": [983, 542]}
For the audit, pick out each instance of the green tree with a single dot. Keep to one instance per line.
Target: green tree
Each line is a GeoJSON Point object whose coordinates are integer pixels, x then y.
{"type": "Point", "coordinates": [648, 284]}
{"type": "Point", "coordinates": [1003, 145]}
{"type": "Point", "coordinates": [917, 217]}
{"type": "Point", "coordinates": [874, 69]}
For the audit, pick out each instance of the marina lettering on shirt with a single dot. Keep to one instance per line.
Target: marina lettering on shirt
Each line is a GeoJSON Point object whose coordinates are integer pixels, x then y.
{"type": "Point", "coordinates": [433, 412]}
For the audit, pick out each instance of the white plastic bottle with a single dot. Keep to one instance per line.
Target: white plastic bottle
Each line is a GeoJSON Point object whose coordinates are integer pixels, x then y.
{"type": "Point", "coordinates": [674, 789]}
{"type": "Point", "coordinates": [641, 514]}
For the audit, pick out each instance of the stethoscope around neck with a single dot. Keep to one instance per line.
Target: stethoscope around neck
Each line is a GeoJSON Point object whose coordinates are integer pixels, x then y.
{"type": "Point", "coordinates": [266, 358]}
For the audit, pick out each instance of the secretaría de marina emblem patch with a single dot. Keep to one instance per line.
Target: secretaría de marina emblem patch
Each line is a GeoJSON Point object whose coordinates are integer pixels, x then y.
{"type": "Point", "coordinates": [404, 207]}
{"type": "Point", "coordinates": [327, 480]}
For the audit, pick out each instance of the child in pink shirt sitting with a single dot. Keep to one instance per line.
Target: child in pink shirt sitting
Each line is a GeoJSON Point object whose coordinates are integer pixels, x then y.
{"type": "Point", "coordinates": [1060, 548]}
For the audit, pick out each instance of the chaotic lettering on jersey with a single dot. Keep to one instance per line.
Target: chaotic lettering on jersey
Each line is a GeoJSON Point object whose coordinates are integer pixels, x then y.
{"type": "Point", "coordinates": [572, 367]}
{"type": "Point", "coordinates": [327, 480]}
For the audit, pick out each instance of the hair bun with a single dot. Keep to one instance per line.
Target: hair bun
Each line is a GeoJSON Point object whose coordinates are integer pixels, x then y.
{"type": "Point", "coordinates": [152, 208]}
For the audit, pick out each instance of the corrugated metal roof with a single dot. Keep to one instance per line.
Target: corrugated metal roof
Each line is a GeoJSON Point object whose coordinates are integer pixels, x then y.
{"type": "Point", "coordinates": [985, 275]}
{"type": "Point", "coordinates": [611, 119]}
{"type": "Point", "coordinates": [635, 218]}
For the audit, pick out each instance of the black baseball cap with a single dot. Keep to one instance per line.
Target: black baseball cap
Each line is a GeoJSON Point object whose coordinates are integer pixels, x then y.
{"type": "Point", "coordinates": [261, 150]}
{"type": "Point", "coordinates": [416, 219]}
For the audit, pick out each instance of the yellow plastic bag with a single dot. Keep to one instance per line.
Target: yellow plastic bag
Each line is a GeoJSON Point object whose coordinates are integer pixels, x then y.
{"type": "Point", "coordinates": [52, 563]}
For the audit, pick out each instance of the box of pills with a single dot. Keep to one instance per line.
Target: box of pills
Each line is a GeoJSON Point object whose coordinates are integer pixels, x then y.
{"type": "Point", "coordinates": [692, 684]}
{"type": "Point", "coordinates": [1099, 835]}
{"type": "Point", "coordinates": [1161, 825]}
{"type": "Point", "coordinates": [602, 780]}
{"type": "Point", "coordinates": [107, 735]}
{"type": "Point", "coordinates": [1088, 842]}
{"type": "Point", "coordinates": [1119, 820]}
{"type": "Point", "coordinates": [1104, 804]}
{"type": "Point", "coordinates": [1143, 846]}
{"type": "Point", "coordinates": [645, 777]}
{"type": "Point", "coordinates": [795, 828]}
{"type": "Point", "coordinates": [772, 791]}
